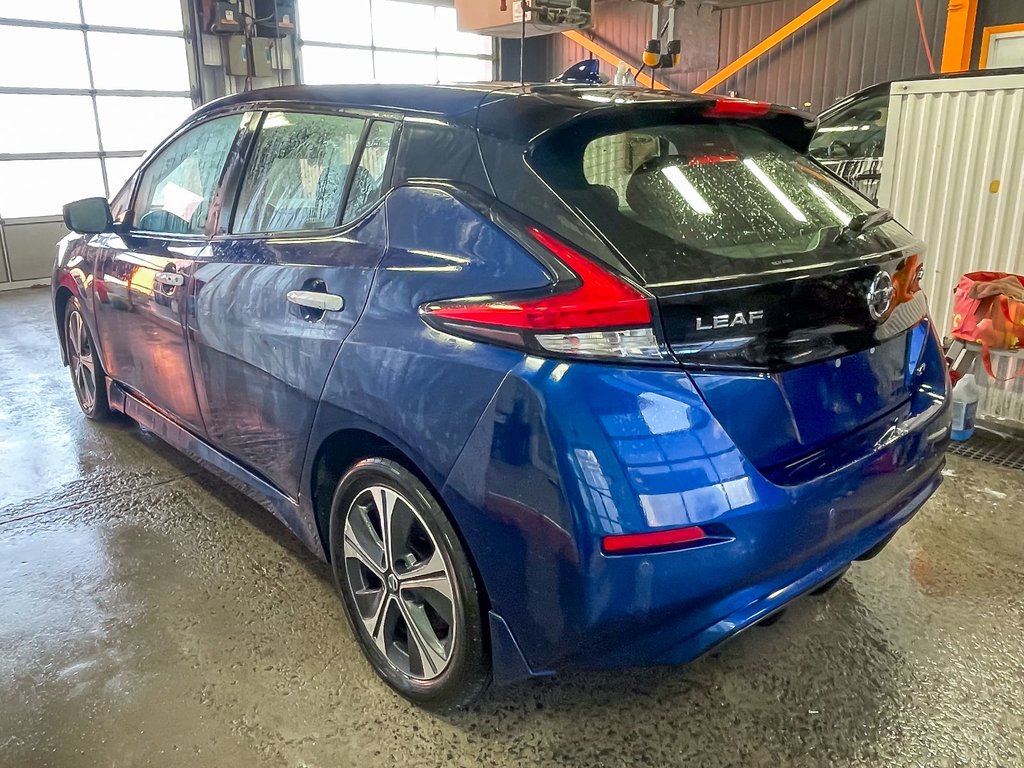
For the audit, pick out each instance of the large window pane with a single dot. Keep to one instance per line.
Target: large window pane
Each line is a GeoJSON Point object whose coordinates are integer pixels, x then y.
{"type": "Point", "coordinates": [47, 124]}
{"type": "Point", "coordinates": [298, 171]}
{"type": "Point", "coordinates": [403, 25]}
{"type": "Point", "coordinates": [321, 66]}
{"type": "Point", "coordinates": [139, 122]}
{"type": "Point", "coordinates": [119, 169]}
{"type": "Point", "coordinates": [41, 10]}
{"type": "Point", "coordinates": [42, 187]}
{"type": "Point", "coordinates": [144, 14]}
{"type": "Point", "coordinates": [42, 58]}
{"type": "Point", "coordinates": [138, 62]}
{"type": "Point", "coordinates": [395, 67]}
{"type": "Point", "coordinates": [460, 69]}
{"type": "Point", "coordinates": [177, 187]}
{"type": "Point", "coordinates": [450, 40]}
{"type": "Point", "coordinates": [334, 21]}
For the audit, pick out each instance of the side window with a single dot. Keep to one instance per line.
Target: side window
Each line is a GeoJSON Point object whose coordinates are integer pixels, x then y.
{"type": "Point", "coordinates": [368, 181]}
{"type": "Point", "coordinates": [296, 178]}
{"type": "Point", "coordinates": [855, 132]}
{"type": "Point", "coordinates": [177, 187]}
{"type": "Point", "coordinates": [429, 151]}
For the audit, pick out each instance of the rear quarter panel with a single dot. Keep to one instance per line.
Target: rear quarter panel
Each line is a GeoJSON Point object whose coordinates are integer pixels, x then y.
{"type": "Point", "coordinates": [420, 389]}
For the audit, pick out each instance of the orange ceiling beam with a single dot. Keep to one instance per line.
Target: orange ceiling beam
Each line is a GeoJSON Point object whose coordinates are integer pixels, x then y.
{"type": "Point", "coordinates": [766, 45]}
{"type": "Point", "coordinates": [961, 17]}
{"type": "Point", "coordinates": [613, 59]}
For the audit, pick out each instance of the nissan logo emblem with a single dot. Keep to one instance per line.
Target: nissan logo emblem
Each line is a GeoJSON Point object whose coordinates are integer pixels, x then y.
{"type": "Point", "coordinates": [880, 295]}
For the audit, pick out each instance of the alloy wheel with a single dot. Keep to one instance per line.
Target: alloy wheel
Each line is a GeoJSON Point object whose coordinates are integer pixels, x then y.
{"type": "Point", "coordinates": [82, 360]}
{"type": "Point", "coordinates": [400, 583]}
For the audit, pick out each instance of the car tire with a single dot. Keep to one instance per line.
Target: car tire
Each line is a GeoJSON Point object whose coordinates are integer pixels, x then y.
{"type": "Point", "coordinates": [410, 594]}
{"type": "Point", "coordinates": [87, 374]}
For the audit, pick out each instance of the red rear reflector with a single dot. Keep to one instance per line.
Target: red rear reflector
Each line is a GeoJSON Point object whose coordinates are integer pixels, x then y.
{"type": "Point", "coordinates": [602, 300]}
{"type": "Point", "coordinates": [737, 109]}
{"type": "Point", "coordinates": [635, 542]}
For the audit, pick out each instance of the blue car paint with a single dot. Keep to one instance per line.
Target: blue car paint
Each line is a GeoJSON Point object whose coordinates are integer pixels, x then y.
{"type": "Point", "coordinates": [396, 377]}
{"type": "Point", "coordinates": [535, 459]}
{"type": "Point", "coordinates": [638, 451]}
{"type": "Point", "coordinates": [260, 367]}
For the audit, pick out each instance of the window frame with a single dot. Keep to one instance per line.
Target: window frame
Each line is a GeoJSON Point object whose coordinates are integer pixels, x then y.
{"type": "Point", "coordinates": [841, 112]}
{"type": "Point", "coordinates": [232, 185]}
{"type": "Point", "coordinates": [216, 202]}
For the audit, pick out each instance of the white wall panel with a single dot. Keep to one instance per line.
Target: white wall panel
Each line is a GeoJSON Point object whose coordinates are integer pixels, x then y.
{"type": "Point", "coordinates": [953, 174]}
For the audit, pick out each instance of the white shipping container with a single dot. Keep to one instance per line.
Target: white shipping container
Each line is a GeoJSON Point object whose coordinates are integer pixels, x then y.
{"type": "Point", "coordinates": [953, 174]}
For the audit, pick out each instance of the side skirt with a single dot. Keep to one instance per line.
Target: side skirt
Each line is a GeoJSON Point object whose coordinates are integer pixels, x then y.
{"type": "Point", "coordinates": [282, 506]}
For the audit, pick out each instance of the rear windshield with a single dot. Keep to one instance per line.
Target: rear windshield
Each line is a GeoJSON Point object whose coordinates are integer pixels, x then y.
{"type": "Point", "coordinates": [692, 201]}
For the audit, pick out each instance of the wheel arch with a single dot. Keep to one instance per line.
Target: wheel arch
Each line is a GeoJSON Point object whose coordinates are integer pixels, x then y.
{"type": "Point", "coordinates": [339, 451]}
{"type": "Point", "coordinates": [61, 297]}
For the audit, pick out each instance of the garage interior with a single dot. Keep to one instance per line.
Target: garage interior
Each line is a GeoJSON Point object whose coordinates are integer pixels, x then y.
{"type": "Point", "coordinates": [151, 614]}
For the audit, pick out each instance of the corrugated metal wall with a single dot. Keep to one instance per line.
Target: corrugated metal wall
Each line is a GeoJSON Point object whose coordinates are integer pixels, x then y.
{"type": "Point", "coordinates": [954, 175]}
{"type": "Point", "coordinates": [856, 44]}
{"type": "Point", "coordinates": [625, 27]}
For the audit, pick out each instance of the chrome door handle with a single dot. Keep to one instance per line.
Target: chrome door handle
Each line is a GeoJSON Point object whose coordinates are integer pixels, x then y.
{"type": "Point", "coordinates": [169, 278]}
{"type": "Point", "coordinates": [322, 302]}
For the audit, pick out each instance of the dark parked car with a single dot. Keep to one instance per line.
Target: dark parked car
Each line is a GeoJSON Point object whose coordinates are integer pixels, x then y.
{"type": "Point", "coordinates": [553, 376]}
{"type": "Point", "coordinates": [850, 140]}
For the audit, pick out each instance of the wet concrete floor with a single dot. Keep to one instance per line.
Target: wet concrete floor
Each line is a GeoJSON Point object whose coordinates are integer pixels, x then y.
{"type": "Point", "coordinates": [151, 615]}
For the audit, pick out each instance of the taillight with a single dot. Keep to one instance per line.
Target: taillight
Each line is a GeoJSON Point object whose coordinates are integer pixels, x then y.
{"type": "Point", "coordinates": [595, 314]}
{"type": "Point", "coordinates": [737, 109]}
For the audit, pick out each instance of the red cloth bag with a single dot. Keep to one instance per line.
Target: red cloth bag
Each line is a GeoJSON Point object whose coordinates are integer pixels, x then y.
{"type": "Point", "coordinates": [988, 309]}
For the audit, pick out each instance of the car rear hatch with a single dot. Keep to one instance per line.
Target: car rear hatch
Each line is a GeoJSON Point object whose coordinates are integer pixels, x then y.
{"type": "Point", "coordinates": [798, 331]}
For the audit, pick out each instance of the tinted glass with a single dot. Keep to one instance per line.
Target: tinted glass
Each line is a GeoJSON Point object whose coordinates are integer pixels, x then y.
{"type": "Point", "coordinates": [368, 181]}
{"type": "Point", "coordinates": [177, 187]}
{"type": "Point", "coordinates": [444, 152]}
{"type": "Point", "coordinates": [696, 200]}
{"type": "Point", "coordinates": [296, 178]}
{"type": "Point", "coordinates": [855, 132]}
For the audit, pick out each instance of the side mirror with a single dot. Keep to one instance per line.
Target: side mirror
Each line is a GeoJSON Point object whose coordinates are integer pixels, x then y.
{"type": "Point", "coordinates": [90, 216]}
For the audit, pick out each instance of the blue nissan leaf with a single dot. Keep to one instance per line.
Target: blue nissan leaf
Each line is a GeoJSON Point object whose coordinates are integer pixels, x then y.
{"type": "Point", "coordinates": [553, 376]}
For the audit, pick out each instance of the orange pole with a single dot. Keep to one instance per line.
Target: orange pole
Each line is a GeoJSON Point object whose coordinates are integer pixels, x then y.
{"type": "Point", "coordinates": [608, 57]}
{"type": "Point", "coordinates": [766, 45]}
{"type": "Point", "coordinates": [961, 16]}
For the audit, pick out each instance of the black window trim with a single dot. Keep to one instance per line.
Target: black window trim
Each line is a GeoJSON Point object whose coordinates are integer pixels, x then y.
{"type": "Point", "coordinates": [233, 186]}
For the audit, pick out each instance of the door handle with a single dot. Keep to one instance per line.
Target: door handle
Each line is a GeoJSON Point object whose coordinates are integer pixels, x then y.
{"type": "Point", "coordinates": [321, 302]}
{"type": "Point", "coordinates": [169, 278]}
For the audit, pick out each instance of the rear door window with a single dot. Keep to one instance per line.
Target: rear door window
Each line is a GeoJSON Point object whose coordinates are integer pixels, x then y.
{"type": "Point", "coordinates": [691, 201]}
{"type": "Point", "coordinates": [368, 180]}
{"type": "Point", "coordinates": [297, 176]}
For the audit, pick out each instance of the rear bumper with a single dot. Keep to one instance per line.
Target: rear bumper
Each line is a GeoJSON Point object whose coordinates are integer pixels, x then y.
{"type": "Point", "coordinates": [690, 633]}
{"type": "Point", "coordinates": [569, 453]}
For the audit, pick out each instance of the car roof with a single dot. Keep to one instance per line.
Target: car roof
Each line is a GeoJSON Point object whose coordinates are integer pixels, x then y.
{"type": "Point", "coordinates": [883, 87]}
{"type": "Point", "coordinates": [438, 100]}
{"type": "Point", "coordinates": [513, 111]}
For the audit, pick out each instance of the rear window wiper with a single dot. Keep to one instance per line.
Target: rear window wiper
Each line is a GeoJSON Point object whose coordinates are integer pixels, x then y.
{"type": "Point", "coordinates": [863, 222]}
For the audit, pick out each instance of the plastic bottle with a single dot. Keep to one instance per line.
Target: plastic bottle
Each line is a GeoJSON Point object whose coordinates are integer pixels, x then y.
{"type": "Point", "coordinates": [965, 407]}
{"type": "Point", "coordinates": [622, 74]}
